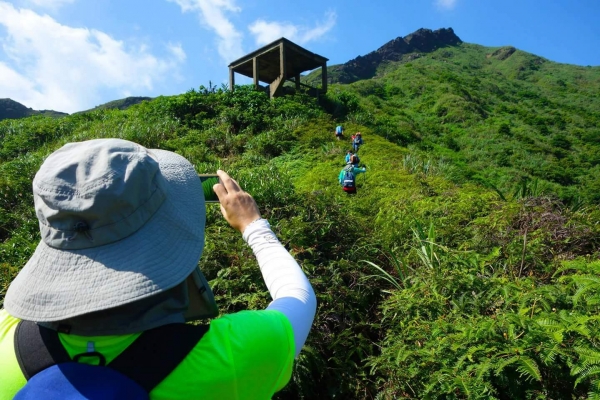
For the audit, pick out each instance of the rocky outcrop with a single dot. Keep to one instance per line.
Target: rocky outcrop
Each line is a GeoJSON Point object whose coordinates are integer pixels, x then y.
{"type": "Point", "coordinates": [502, 53]}
{"type": "Point", "coordinates": [420, 41]}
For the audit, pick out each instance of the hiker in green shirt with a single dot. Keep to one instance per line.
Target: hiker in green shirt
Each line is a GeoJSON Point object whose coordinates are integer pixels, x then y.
{"type": "Point", "coordinates": [347, 176]}
{"type": "Point", "coordinates": [122, 231]}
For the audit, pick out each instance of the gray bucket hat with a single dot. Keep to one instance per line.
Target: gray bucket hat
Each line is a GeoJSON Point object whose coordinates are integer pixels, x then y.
{"type": "Point", "coordinates": [119, 223]}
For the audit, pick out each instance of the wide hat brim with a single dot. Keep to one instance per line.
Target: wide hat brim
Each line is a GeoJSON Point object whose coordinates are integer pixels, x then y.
{"type": "Point", "coordinates": [58, 284]}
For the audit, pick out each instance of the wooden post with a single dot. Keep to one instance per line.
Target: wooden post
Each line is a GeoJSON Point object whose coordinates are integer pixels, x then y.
{"type": "Point", "coordinates": [297, 80]}
{"type": "Point", "coordinates": [231, 79]}
{"type": "Point", "coordinates": [255, 72]}
{"type": "Point", "coordinates": [282, 63]}
{"type": "Point", "coordinates": [324, 77]}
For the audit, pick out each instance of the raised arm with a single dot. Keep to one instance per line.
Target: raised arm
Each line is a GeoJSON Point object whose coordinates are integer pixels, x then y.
{"type": "Point", "coordinates": [290, 289]}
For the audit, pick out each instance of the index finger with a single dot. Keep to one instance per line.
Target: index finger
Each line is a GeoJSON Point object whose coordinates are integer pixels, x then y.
{"type": "Point", "coordinates": [230, 184]}
{"type": "Point", "coordinates": [220, 191]}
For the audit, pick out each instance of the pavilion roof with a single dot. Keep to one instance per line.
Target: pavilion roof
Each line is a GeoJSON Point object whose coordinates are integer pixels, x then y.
{"type": "Point", "coordinates": [297, 60]}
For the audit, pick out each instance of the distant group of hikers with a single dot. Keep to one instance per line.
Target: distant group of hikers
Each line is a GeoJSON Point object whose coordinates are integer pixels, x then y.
{"type": "Point", "coordinates": [347, 176]}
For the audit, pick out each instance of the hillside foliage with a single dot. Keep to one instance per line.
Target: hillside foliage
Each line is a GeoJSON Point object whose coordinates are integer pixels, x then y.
{"type": "Point", "coordinates": [466, 267]}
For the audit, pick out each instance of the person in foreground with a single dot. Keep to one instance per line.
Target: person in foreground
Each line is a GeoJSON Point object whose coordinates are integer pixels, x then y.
{"type": "Point", "coordinates": [122, 231]}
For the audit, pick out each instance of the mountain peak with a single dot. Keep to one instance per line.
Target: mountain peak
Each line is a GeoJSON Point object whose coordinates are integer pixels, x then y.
{"type": "Point", "coordinates": [426, 40]}
{"type": "Point", "coordinates": [420, 41]}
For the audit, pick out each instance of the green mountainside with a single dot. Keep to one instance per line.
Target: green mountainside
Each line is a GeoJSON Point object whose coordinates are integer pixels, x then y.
{"type": "Point", "coordinates": [10, 109]}
{"type": "Point", "coordinates": [499, 115]}
{"type": "Point", "coordinates": [14, 110]}
{"type": "Point", "coordinates": [466, 266]}
{"type": "Point", "coordinates": [121, 104]}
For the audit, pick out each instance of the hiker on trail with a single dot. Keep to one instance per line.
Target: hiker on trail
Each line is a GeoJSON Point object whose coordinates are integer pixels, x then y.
{"type": "Point", "coordinates": [347, 176]}
{"type": "Point", "coordinates": [339, 132]}
{"type": "Point", "coordinates": [349, 154]}
{"type": "Point", "coordinates": [357, 141]}
{"type": "Point", "coordinates": [352, 158]}
{"type": "Point", "coordinates": [116, 275]}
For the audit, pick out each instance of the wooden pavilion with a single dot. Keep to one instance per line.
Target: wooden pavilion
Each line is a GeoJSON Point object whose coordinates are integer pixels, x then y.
{"type": "Point", "coordinates": [277, 63]}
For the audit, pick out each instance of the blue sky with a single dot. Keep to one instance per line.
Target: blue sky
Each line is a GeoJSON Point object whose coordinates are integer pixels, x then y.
{"type": "Point", "coordinates": [71, 55]}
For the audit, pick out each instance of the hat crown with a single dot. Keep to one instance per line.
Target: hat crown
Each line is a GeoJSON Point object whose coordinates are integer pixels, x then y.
{"type": "Point", "coordinates": [92, 193]}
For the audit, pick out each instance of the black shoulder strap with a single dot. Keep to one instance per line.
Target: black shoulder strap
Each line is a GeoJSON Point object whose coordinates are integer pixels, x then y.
{"type": "Point", "coordinates": [157, 352]}
{"type": "Point", "coordinates": [37, 348]}
{"type": "Point", "coordinates": [147, 361]}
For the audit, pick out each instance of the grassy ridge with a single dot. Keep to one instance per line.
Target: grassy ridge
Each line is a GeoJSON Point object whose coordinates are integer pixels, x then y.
{"type": "Point", "coordinates": [503, 117]}
{"type": "Point", "coordinates": [429, 282]}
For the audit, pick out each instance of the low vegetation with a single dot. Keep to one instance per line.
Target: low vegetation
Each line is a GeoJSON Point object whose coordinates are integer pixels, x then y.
{"type": "Point", "coordinates": [467, 266]}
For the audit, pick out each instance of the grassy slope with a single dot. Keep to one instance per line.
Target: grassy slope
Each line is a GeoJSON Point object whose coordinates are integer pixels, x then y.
{"type": "Point", "coordinates": [449, 242]}
{"type": "Point", "coordinates": [121, 104]}
{"type": "Point", "coordinates": [502, 121]}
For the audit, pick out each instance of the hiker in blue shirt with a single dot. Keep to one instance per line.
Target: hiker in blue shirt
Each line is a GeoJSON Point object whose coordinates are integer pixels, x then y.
{"type": "Point", "coordinates": [347, 176]}
{"type": "Point", "coordinates": [348, 155]}
{"type": "Point", "coordinates": [357, 141]}
{"type": "Point", "coordinates": [339, 132]}
{"type": "Point", "coordinates": [352, 158]}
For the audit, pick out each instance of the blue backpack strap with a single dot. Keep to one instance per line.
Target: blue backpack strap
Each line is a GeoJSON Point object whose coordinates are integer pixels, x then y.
{"type": "Point", "coordinates": [147, 361]}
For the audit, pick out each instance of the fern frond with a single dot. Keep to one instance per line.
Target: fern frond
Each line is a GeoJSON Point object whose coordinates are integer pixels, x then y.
{"type": "Point", "coordinates": [594, 393]}
{"type": "Point", "coordinates": [548, 355]}
{"type": "Point", "coordinates": [549, 325]}
{"type": "Point", "coordinates": [586, 373]}
{"type": "Point", "coordinates": [583, 330]}
{"type": "Point", "coordinates": [529, 368]}
{"type": "Point", "coordinates": [590, 355]}
{"type": "Point", "coordinates": [557, 337]}
{"type": "Point", "coordinates": [483, 368]}
{"type": "Point", "coordinates": [587, 286]}
{"type": "Point", "coordinates": [462, 386]}
{"type": "Point", "coordinates": [503, 364]}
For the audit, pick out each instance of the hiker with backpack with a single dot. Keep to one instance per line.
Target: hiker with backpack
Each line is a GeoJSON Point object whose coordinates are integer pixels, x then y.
{"type": "Point", "coordinates": [352, 158]}
{"type": "Point", "coordinates": [347, 176]}
{"type": "Point", "coordinates": [349, 154]}
{"type": "Point", "coordinates": [357, 141]}
{"type": "Point", "coordinates": [99, 310]}
{"type": "Point", "coordinates": [339, 132]}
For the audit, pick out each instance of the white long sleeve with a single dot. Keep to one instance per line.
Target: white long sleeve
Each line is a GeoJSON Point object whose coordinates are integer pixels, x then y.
{"type": "Point", "coordinates": [290, 289]}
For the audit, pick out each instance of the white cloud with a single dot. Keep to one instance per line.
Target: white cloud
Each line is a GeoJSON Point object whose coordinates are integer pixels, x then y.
{"type": "Point", "coordinates": [265, 32]}
{"type": "Point", "coordinates": [49, 65]}
{"type": "Point", "coordinates": [177, 51]}
{"type": "Point", "coordinates": [445, 4]}
{"type": "Point", "coordinates": [12, 84]}
{"type": "Point", "coordinates": [213, 14]}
